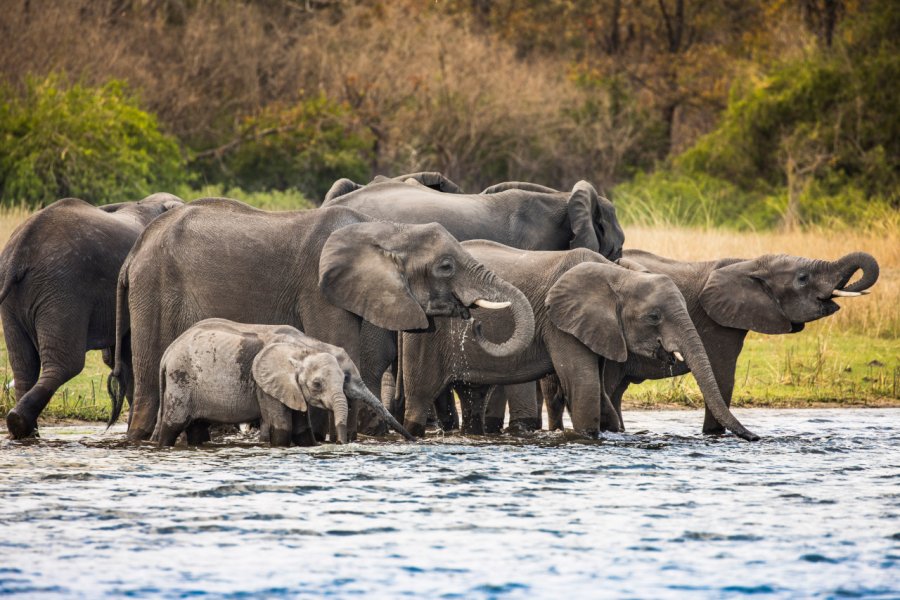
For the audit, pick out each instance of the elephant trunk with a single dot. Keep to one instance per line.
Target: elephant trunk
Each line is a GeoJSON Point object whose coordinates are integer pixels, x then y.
{"type": "Point", "coordinates": [695, 356]}
{"type": "Point", "coordinates": [340, 410]}
{"type": "Point", "coordinates": [845, 267]}
{"type": "Point", "coordinates": [491, 292]}
{"type": "Point", "coordinates": [357, 390]}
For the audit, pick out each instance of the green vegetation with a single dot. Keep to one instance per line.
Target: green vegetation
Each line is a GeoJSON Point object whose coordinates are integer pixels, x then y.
{"type": "Point", "coordinates": [59, 140]}
{"type": "Point", "coordinates": [817, 367]}
{"type": "Point", "coordinates": [290, 199]}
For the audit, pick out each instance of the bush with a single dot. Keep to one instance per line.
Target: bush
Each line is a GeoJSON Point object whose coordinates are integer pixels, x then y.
{"type": "Point", "coordinates": [91, 143]}
{"type": "Point", "coordinates": [304, 146]}
{"type": "Point", "coordinates": [271, 200]}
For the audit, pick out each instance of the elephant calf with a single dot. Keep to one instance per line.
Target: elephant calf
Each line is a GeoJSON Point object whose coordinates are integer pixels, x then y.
{"type": "Point", "coordinates": [220, 371]}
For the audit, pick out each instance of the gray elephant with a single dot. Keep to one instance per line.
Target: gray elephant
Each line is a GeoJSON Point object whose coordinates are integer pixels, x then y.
{"type": "Point", "coordinates": [519, 214]}
{"type": "Point", "coordinates": [322, 271]}
{"type": "Point", "coordinates": [58, 290]}
{"type": "Point", "coordinates": [726, 298]}
{"type": "Point", "coordinates": [586, 310]}
{"type": "Point", "coordinates": [219, 371]}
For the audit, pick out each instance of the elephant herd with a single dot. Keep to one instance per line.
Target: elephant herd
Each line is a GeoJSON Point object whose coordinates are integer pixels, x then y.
{"type": "Point", "coordinates": [373, 308]}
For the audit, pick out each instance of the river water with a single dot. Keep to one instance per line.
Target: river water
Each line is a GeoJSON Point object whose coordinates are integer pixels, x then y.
{"type": "Point", "coordinates": [812, 510]}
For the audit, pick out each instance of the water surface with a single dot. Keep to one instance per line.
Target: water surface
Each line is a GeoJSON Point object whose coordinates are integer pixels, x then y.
{"type": "Point", "coordinates": [812, 510]}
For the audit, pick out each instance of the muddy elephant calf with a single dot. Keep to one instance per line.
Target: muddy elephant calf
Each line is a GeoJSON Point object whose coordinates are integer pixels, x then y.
{"type": "Point", "coordinates": [220, 371]}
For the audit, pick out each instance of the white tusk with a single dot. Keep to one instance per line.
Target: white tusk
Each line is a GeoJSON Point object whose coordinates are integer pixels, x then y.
{"type": "Point", "coordinates": [864, 292]}
{"type": "Point", "coordinates": [840, 293]}
{"type": "Point", "coordinates": [678, 356]}
{"type": "Point", "coordinates": [488, 304]}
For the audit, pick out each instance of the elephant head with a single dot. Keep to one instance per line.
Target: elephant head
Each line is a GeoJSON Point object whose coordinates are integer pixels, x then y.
{"type": "Point", "coordinates": [300, 378]}
{"type": "Point", "coordinates": [397, 276]}
{"type": "Point", "coordinates": [614, 311]}
{"type": "Point", "coordinates": [147, 209]}
{"type": "Point", "coordinates": [779, 293]}
{"type": "Point", "coordinates": [591, 216]}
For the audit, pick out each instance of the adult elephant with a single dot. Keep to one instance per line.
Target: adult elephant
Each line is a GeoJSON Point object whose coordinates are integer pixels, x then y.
{"type": "Point", "coordinates": [587, 310]}
{"type": "Point", "coordinates": [772, 294]}
{"type": "Point", "coordinates": [58, 293]}
{"type": "Point", "coordinates": [518, 214]}
{"type": "Point", "coordinates": [322, 271]}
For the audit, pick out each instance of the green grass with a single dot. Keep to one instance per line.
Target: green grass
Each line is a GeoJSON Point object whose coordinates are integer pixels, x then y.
{"type": "Point", "coordinates": [291, 199]}
{"type": "Point", "coordinates": [812, 368]}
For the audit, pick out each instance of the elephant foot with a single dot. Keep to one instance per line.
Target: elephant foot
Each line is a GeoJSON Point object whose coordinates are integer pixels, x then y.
{"type": "Point", "coordinates": [20, 426]}
{"type": "Point", "coordinates": [415, 429]}
{"type": "Point", "coordinates": [526, 425]}
{"type": "Point", "coordinates": [713, 430]}
{"type": "Point", "coordinates": [138, 435]}
{"type": "Point", "coordinates": [493, 424]}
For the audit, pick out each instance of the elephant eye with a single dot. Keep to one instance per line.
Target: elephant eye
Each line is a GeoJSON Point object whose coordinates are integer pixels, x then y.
{"type": "Point", "coordinates": [654, 317]}
{"type": "Point", "coordinates": [316, 385]}
{"type": "Point", "coordinates": [346, 377]}
{"type": "Point", "coordinates": [802, 279]}
{"type": "Point", "coordinates": [445, 267]}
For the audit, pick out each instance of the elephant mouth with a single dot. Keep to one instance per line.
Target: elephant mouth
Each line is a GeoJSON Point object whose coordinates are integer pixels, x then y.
{"type": "Point", "coordinates": [447, 308]}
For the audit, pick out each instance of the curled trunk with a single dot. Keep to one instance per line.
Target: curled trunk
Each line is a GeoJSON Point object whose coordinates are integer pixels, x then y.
{"type": "Point", "coordinates": [356, 390]}
{"type": "Point", "coordinates": [484, 285]}
{"type": "Point", "coordinates": [698, 363]}
{"type": "Point", "coordinates": [846, 266]}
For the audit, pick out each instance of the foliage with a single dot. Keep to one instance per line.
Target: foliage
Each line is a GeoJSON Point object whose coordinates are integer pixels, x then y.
{"type": "Point", "coordinates": [306, 145]}
{"type": "Point", "coordinates": [92, 143]}
{"type": "Point", "coordinates": [290, 199]}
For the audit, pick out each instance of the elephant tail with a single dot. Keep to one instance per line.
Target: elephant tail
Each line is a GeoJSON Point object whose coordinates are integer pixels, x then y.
{"type": "Point", "coordinates": [11, 271]}
{"type": "Point", "coordinates": [119, 379]}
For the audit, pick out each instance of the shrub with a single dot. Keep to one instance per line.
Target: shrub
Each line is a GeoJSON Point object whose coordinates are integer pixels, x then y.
{"type": "Point", "coordinates": [304, 146]}
{"type": "Point", "coordinates": [92, 143]}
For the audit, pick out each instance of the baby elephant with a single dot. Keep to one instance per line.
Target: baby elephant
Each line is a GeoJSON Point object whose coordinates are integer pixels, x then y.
{"type": "Point", "coordinates": [220, 371]}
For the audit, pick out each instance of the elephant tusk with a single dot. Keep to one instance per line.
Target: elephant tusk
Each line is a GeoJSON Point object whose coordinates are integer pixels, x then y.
{"type": "Point", "coordinates": [492, 305]}
{"type": "Point", "coordinates": [678, 356]}
{"type": "Point", "coordinates": [842, 293]}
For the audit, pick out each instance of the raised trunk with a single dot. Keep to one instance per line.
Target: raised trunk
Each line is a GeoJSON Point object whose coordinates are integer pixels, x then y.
{"type": "Point", "coordinates": [356, 390]}
{"type": "Point", "coordinates": [485, 285]}
{"type": "Point", "coordinates": [846, 266]}
{"type": "Point", "coordinates": [695, 356]}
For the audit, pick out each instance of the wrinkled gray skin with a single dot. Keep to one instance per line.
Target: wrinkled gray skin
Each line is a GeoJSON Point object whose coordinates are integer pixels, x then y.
{"type": "Point", "coordinates": [58, 293]}
{"type": "Point", "coordinates": [322, 271]}
{"type": "Point", "coordinates": [518, 214]}
{"type": "Point", "coordinates": [726, 298]}
{"type": "Point", "coordinates": [586, 310]}
{"type": "Point", "coordinates": [220, 371]}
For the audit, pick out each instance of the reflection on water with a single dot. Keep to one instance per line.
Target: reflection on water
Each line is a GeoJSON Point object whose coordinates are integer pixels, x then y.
{"type": "Point", "coordinates": [811, 510]}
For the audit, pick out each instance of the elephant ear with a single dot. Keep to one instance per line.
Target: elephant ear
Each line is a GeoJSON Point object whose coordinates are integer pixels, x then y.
{"type": "Point", "coordinates": [339, 188]}
{"type": "Point", "coordinates": [737, 296]}
{"type": "Point", "coordinates": [361, 270]}
{"type": "Point", "coordinates": [278, 371]}
{"type": "Point", "coordinates": [581, 206]}
{"type": "Point", "coordinates": [584, 303]}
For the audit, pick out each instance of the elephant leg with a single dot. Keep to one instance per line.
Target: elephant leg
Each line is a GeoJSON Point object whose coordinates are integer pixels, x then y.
{"type": "Point", "coordinates": [724, 363]}
{"type": "Point", "coordinates": [146, 352]}
{"type": "Point", "coordinates": [378, 351]}
{"type": "Point", "coordinates": [276, 423]}
{"type": "Point", "coordinates": [389, 391]}
{"type": "Point", "coordinates": [616, 400]}
{"type": "Point", "coordinates": [62, 358]}
{"type": "Point", "coordinates": [23, 356]}
{"type": "Point", "coordinates": [495, 412]}
{"type": "Point", "coordinates": [445, 411]}
{"type": "Point", "coordinates": [302, 430]}
{"type": "Point", "coordinates": [523, 409]}
{"type": "Point", "coordinates": [555, 401]}
{"type": "Point", "coordinates": [472, 399]}
{"type": "Point", "coordinates": [318, 420]}
{"type": "Point", "coordinates": [420, 397]}
{"type": "Point", "coordinates": [197, 433]}
{"type": "Point", "coordinates": [579, 374]}
{"type": "Point", "coordinates": [167, 433]}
